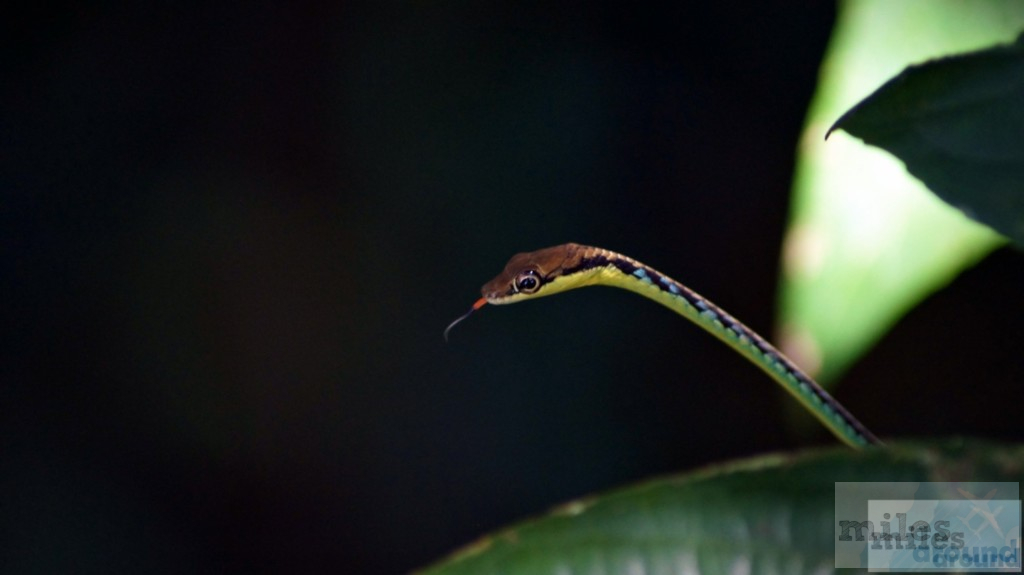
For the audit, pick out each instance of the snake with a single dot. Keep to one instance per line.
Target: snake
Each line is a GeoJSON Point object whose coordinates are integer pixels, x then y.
{"type": "Point", "coordinates": [556, 269]}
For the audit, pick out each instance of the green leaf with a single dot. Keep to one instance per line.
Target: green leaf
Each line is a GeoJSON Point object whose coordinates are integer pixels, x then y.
{"type": "Point", "coordinates": [866, 240]}
{"type": "Point", "coordinates": [772, 514]}
{"type": "Point", "coordinates": [958, 124]}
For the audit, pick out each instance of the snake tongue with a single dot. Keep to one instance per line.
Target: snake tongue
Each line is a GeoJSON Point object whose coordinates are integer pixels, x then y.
{"type": "Point", "coordinates": [476, 305]}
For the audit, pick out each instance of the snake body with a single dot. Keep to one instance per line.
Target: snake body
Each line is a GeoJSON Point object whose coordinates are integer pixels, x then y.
{"type": "Point", "coordinates": [568, 266]}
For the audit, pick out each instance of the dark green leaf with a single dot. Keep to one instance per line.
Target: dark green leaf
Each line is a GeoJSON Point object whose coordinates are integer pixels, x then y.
{"type": "Point", "coordinates": [958, 125]}
{"type": "Point", "coordinates": [770, 514]}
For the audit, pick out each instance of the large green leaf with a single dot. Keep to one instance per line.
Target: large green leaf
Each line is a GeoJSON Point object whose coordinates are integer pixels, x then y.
{"type": "Point", "coordinates": [772, 514]}
{"type": "Point", "coordinates": [867, 241]}
{"type": "Point", "coordinates": [958, 124]}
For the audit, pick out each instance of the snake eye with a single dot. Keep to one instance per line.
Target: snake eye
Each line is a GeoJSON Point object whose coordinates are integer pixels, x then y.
{"type": "Point", "coordinates": [527, 282]}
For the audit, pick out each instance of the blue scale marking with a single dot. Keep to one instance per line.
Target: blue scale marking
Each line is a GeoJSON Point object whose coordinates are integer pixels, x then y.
{"type": "Point", "coordinates": [642, 276]}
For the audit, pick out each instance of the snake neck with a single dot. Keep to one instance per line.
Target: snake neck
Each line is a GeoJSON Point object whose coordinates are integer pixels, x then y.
{"type": "Point", "coordinates": [598, 266]}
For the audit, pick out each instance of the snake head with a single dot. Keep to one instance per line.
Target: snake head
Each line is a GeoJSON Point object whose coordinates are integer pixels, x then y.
{"type": "Point", "coordinates": [531, 274]}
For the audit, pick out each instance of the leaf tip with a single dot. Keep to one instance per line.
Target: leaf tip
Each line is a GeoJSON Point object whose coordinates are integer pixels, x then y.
{"type": "Point", "coordinates": [838, 124]}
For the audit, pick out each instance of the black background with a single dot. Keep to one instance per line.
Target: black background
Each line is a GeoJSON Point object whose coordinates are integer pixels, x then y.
{"type": "Point", "coordinates": [233, 234]}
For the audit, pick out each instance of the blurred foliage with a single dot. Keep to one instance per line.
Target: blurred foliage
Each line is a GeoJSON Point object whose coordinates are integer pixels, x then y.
{"type": "Point", "coordinates": [866, 241]}
{"type": "Point", "coordinates": [770, 514]}
{"type": "Point", "coordinates": [958, 124]}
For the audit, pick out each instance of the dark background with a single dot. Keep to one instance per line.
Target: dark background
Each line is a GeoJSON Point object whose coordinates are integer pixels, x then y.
{"type": "Point", "coordinates": [233, 234]}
